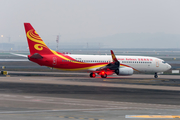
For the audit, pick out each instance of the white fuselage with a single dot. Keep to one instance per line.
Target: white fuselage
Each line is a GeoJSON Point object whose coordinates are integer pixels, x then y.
{"type": "Point", "coordinates": [138, 63]}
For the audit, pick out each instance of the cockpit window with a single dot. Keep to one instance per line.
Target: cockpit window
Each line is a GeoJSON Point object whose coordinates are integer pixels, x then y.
{"type": "Point", "coordinates": [163, 62]}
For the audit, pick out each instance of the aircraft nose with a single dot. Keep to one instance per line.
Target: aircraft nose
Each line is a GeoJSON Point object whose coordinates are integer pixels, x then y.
{"type": "Point", "coordinates": [169, 66]}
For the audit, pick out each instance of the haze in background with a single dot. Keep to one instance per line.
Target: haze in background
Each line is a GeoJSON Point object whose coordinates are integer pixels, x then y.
{"type": "Point", "coordinates": [93, 23]}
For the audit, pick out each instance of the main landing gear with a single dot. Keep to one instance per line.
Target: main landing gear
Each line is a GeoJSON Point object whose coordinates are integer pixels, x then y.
{"type": "Point", "coordinates": [155, 75]}
{"type": "Point", "coordinates": [103, 75]}
{"type": "Point", "coordinates": [92, 75]}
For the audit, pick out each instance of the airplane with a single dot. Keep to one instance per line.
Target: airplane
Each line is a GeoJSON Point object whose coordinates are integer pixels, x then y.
{"type": "Point", "coordinates": [102, 65]}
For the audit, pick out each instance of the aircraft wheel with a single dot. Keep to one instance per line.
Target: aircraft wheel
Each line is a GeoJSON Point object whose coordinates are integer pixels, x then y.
{"type": "Point", "coordinates": [104, 75]}
{"type": "Point", "coordinates": [155, 76]}
{"type": "Point", "coordinates": [92, 75]}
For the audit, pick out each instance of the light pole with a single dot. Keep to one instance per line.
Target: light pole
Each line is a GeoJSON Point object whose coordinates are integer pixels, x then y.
{"type": "Point", "coordinates": [2, 42]}
{"type": "Point", "coordinates": [57, 41]}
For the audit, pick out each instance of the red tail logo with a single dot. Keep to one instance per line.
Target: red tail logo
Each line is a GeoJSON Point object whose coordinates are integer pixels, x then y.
{"type": "Point", "coordinates": [36, 44]}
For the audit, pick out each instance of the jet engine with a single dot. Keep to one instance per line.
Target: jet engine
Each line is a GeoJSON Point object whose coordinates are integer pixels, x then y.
{"type": "Point", "coordinates": [124, 71]}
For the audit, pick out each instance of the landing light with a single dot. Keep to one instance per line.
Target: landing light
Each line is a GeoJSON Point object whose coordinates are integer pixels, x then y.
{"type": "Point", "coordinates": [102, 73]}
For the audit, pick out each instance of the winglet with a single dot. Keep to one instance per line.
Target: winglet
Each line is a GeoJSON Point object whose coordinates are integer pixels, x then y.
{"type": "Point", "coordinates": [113, 57]}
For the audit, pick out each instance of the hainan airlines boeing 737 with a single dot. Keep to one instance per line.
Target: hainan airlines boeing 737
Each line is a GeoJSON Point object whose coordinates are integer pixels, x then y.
{"type": "Point", "coordinates": [102, 65]}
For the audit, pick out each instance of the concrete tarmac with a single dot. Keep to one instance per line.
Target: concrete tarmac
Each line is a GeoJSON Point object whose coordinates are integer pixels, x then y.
{"type": "Point", "coordinates": [75, 97]}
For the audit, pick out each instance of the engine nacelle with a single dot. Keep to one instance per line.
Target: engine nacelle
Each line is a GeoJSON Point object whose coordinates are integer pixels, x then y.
{"type": "Point", "coordinates": [125, 71]}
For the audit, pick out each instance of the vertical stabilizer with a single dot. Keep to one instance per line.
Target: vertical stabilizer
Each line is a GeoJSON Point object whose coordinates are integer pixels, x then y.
{"type": "Point", "coordinates": [36, 44]}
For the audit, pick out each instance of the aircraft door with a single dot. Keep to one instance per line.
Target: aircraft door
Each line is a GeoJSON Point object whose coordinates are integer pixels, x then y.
{"type": "Point", "coordinates": [54, 61]}
{"type": "Point", "coordinates": [157, 63]}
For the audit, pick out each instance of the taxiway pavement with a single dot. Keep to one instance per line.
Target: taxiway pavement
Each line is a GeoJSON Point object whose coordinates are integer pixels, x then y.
{"type": "Point", "coordinates": [81, 97]}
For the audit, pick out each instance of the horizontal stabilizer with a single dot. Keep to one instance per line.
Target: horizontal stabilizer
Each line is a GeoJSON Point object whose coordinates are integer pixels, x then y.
{"type": "Point", "coordinates": [37, 56]}
{"type": "Point", "coordinates": [10, 60]}
{"type": "Point", "coordinates": [19, 55]}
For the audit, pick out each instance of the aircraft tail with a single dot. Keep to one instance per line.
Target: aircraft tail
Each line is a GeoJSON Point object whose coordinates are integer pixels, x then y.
{"type": "Point", "coordinates": [36, 44]}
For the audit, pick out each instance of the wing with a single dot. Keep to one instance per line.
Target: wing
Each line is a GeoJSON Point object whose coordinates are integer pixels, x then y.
{"type": "Point", "coordinates": [112, 67]}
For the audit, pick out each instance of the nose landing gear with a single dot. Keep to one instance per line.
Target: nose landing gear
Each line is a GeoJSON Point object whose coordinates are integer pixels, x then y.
{"type": "Point", "coordinates": [155, 75]}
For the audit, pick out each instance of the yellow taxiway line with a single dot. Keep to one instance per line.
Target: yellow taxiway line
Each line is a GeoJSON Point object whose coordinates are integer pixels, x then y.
{"type": "Point", "coordinates": [152, 116]}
